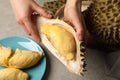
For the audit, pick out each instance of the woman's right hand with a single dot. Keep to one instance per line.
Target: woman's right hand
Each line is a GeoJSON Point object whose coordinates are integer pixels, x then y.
{"type": "Point", "coordinates": [23, 10]}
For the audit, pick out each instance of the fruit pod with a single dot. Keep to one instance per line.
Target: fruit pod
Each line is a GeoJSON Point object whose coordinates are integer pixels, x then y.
{"type": "Point", "coordinates": [62, 38]}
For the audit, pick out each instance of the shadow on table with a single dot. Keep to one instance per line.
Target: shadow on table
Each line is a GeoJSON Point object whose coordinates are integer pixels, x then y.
{"type": "Point", "coordinates": [48, 67]}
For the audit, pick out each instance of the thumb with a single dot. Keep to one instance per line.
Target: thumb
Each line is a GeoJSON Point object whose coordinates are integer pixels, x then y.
{"type": "Point", "coordinates": [40, 10]}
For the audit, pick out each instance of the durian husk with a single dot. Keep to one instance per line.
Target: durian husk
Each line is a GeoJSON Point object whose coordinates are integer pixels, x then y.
{"type": "Point", "coordinates": [103, 23]}
{"type": "Point", "coordinates": [76, 66]}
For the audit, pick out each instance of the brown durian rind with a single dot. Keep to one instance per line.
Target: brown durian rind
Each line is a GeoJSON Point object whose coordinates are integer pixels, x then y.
{"type": "Point", "coordinates": [75, 66]}
{"type": "Point", "coordinates": [103, 22]}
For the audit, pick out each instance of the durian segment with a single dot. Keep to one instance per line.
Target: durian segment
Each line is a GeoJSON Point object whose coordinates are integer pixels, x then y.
{"type": "Point", "coordinates": [24, 58]}
{"type": "Point", "coordinates": [13, 74]}
{"type": "Point", "coordinates": [5, 54]}
{"type": "Point", "coordinates": [61, 39]}
{"type": "Point", "coordinates": [76, 66]}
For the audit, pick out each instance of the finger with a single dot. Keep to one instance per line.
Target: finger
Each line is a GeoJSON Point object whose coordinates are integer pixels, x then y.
{"type": "Point", "coordinates": [20, 21]}
{"type": "Point", "coordinates": [79, 28]}
{"type": "Point", "coordinates": [32, 29]}
{"type": "Point", "coordinates": [25, 29]}
{"type": "Point", "coordinates": [79, 35]}
{"type": "Point", "coordinates": [41, 11]}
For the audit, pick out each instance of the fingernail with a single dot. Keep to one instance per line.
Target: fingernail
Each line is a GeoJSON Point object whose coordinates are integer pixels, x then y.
{"type": "Point", "coordinates": [29, 34]}
{"type": "Point", "coordinates": [39, 41]}
{"type": "Point", "coordinates": [49, 15]}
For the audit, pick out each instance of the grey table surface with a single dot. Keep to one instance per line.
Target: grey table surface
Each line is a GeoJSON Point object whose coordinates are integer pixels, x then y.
{"type": "Point", "coordinates": [55, 69]}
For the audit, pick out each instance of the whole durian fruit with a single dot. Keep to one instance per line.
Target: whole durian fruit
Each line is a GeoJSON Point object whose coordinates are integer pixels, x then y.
{"type": "Point", "coordinates": [103, 22]}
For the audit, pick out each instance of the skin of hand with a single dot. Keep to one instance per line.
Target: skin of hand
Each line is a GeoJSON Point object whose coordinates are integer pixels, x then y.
{"type": "Point", "coordinates": [23, 10]}
{"type": "Point", "coordinates": [72, 13]}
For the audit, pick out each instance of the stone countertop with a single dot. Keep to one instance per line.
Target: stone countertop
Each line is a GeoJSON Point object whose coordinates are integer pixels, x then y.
{"type": "Point", "coordinates": [55, 69]}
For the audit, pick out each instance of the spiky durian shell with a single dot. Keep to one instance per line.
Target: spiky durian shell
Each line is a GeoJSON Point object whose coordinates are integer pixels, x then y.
{"type": "Point", "coordinates": [54, 6]}
{"type": "Point", "coordinates": [103, 22]}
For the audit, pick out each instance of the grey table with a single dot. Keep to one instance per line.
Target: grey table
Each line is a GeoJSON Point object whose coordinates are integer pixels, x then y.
{"type": "Point", "coordinates": [55, 69]}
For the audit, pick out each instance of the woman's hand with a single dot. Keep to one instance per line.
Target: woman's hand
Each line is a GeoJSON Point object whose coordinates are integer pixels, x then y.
{"type": "Point", "coordinates": [23, 10]}
{"type": "Point", "coordinates": [72, 13]}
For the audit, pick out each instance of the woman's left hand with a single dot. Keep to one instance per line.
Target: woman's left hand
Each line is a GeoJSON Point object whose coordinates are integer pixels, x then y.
{"type": "Point", "coordinates": [73, 14]}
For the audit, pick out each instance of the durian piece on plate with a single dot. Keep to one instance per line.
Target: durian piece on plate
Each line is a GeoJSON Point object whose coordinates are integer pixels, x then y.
{"type": "Point", "coordinates": [5, 54]}
{"type": "Point", "coordinates": [24, 58]}
{"type": "Point", "coordinates": [60, 39]}
{"type": "Point", "coordinates": [13, 74]}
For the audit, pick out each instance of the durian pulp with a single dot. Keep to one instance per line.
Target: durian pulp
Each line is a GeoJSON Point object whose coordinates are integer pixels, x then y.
{"type": "Point", "coordinates": [13, 74]}
{"type": "Point", "coordinates": [24, 58]}
{"type": "Point", "coordinates": [57, 35]}
{"type": "Point", "coordinates": [5, 54]}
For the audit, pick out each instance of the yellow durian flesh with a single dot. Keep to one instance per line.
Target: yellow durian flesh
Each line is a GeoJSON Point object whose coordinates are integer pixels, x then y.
{"type": "Point", "coordinates": [57, 36]}
{"type": "Point", "coordinates": [24, 58]}
{"type": "Point", "coordinates": [74, 65]}
{"type": "Point", "coordinates": [5, 54]}
{"type": "Point", "coordinates": [13, 74]}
